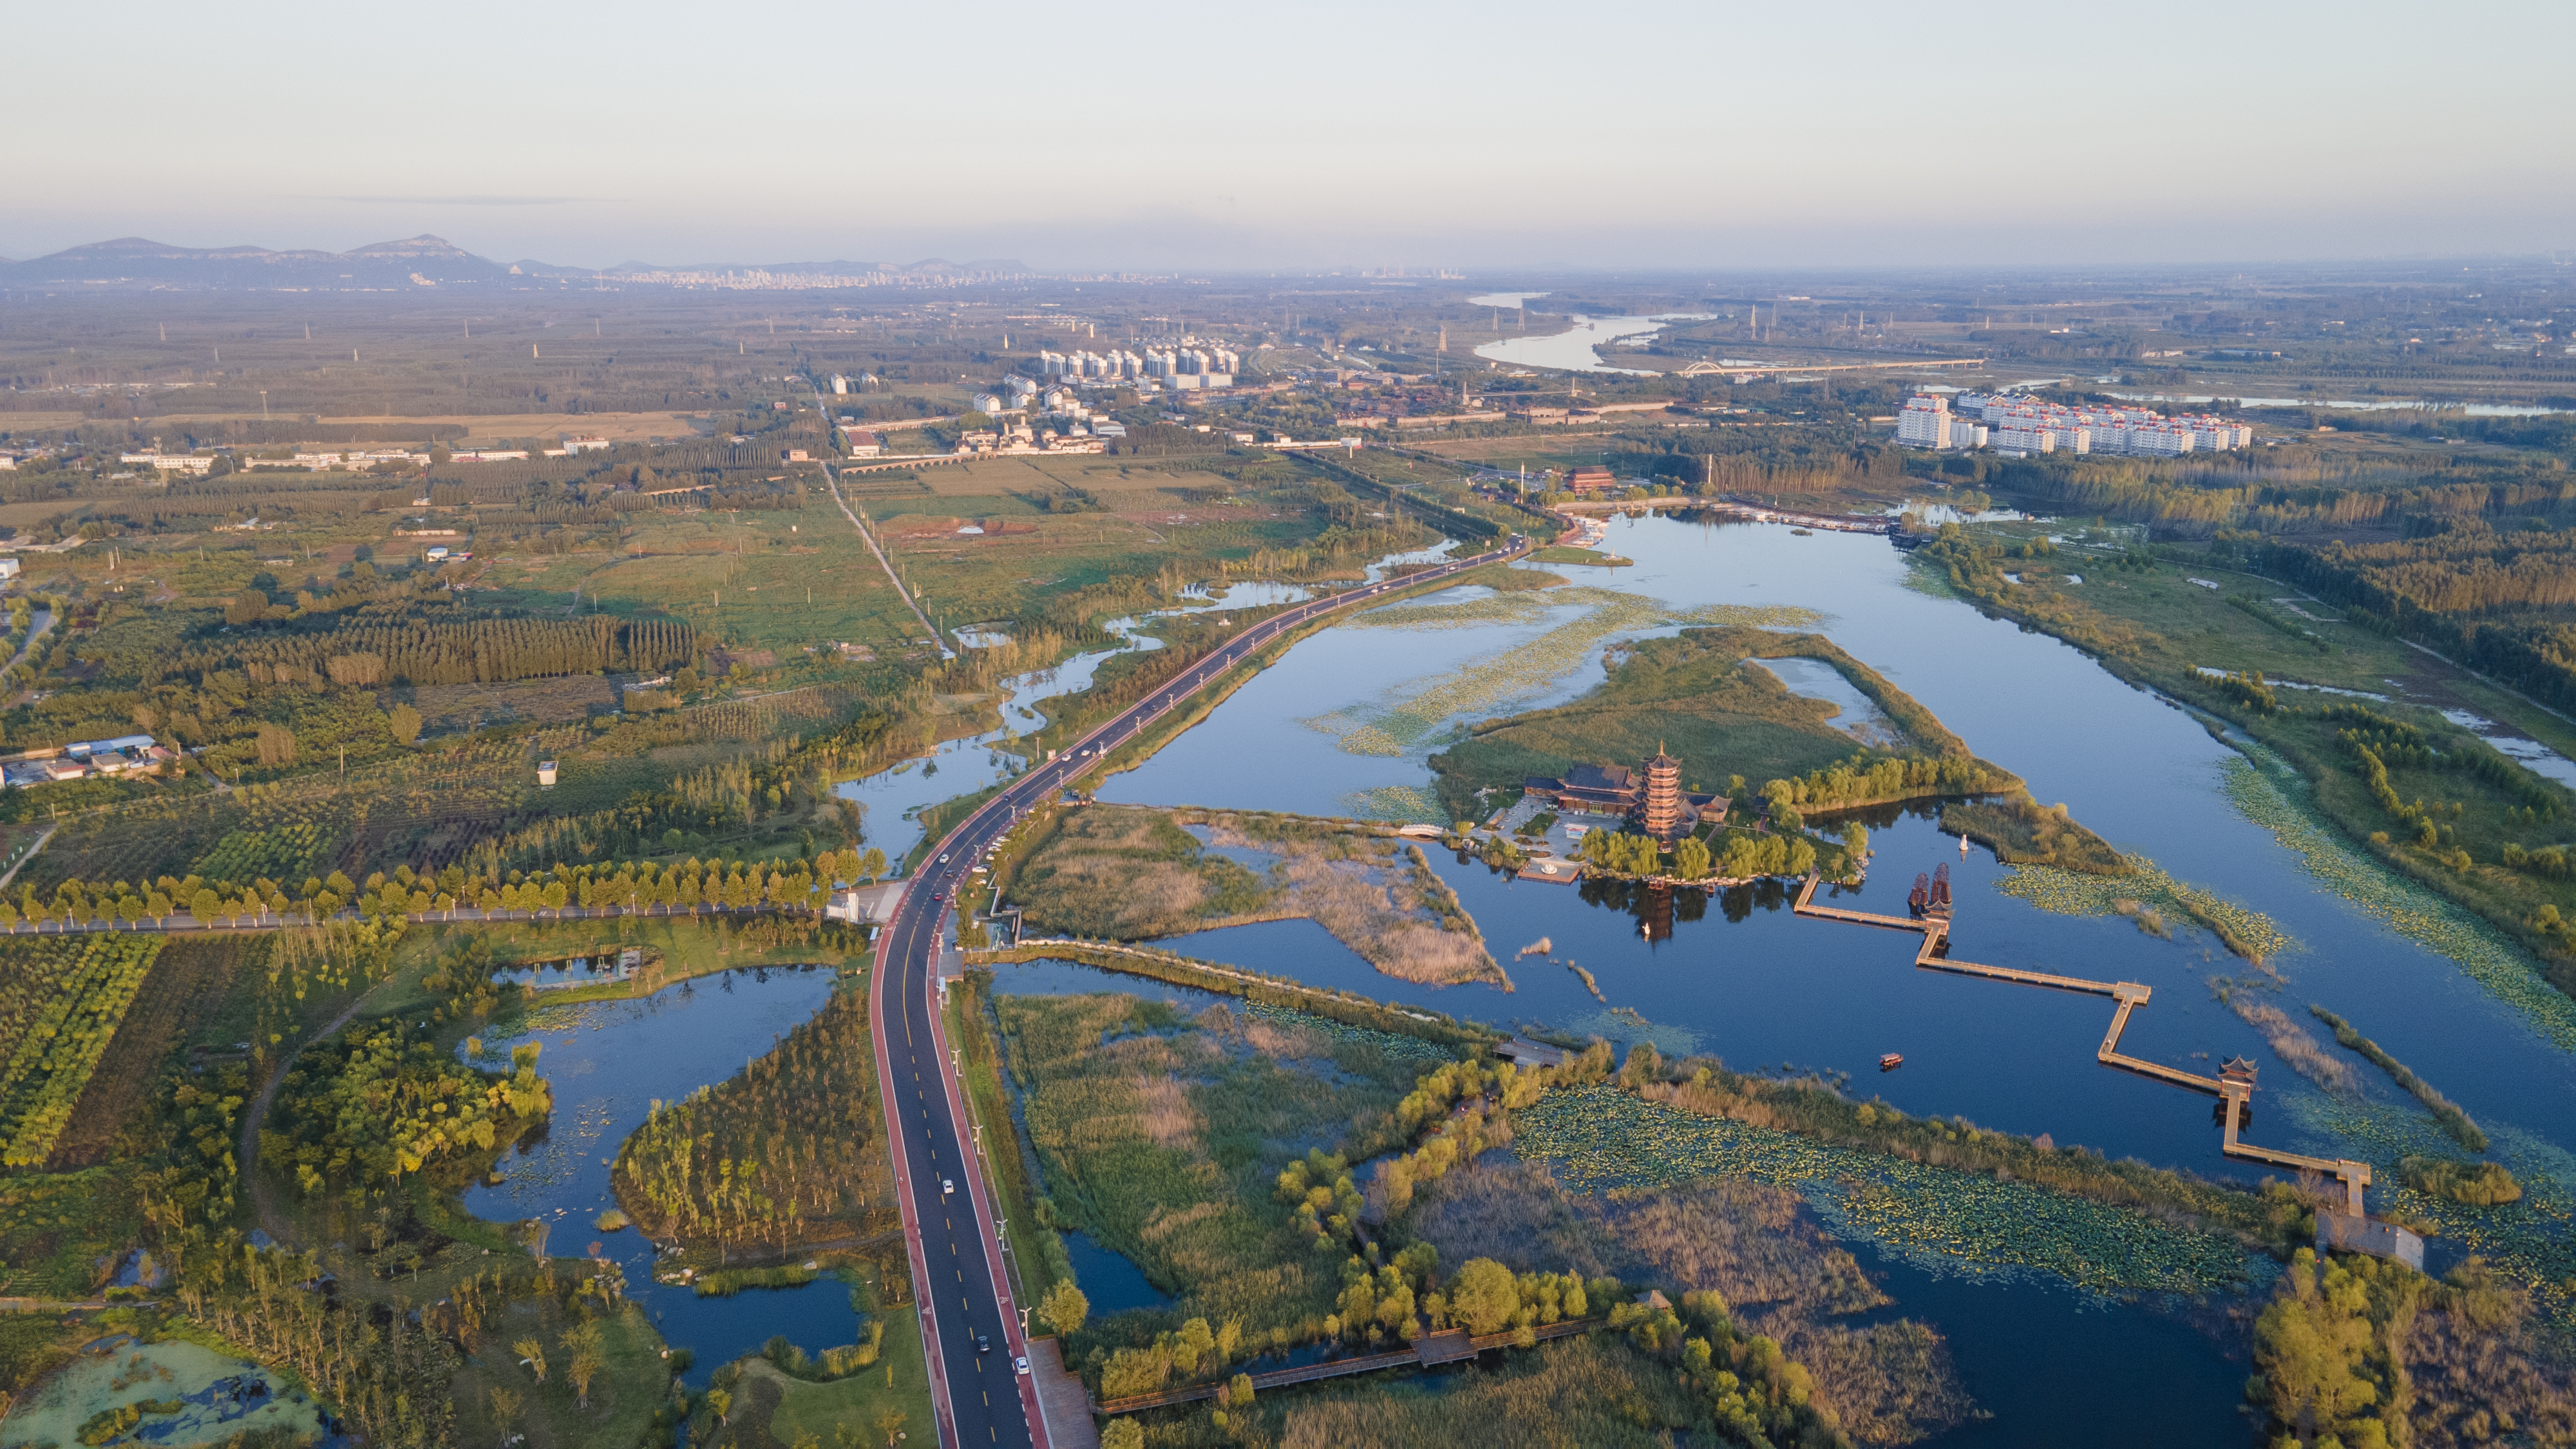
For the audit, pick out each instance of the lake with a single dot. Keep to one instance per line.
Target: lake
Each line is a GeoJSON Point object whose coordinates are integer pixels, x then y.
{"type": "Point", "coordinates": [1577, 349]}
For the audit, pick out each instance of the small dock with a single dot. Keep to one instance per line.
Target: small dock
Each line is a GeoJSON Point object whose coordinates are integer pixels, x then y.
{"type": "Point", "coordinates": [1806, 906]}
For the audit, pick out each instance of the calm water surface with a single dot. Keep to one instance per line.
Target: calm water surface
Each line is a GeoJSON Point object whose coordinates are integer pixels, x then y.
{"type": "Point", "coordinates": [1577, 349]}
{"type": "Point", "coordinates": [608, 1063]}
{"type": "Point", "coordinates": [1769, 988]}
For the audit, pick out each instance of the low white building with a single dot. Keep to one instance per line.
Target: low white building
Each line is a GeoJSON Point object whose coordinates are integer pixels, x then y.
{"type": "Point", "coordinates": [167, 462]}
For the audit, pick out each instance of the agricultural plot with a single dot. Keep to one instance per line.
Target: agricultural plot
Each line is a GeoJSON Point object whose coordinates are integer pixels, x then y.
{"type": "Point", "coordinates": [64, 1039]}
{"type": "Point", "coordinates": [286, 852]}
{"type": "Point", "coordinates": [182, 997]}
{"type": "Point", "coordinates": [446, 707]}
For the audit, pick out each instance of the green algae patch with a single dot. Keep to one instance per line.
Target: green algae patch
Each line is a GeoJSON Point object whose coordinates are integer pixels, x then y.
{"type": "Point", "coordinates": [171, 1393]}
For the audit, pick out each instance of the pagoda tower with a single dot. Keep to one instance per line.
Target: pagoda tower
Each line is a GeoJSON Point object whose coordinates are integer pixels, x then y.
{"type": "Point", "coordinates": [1660, 811]}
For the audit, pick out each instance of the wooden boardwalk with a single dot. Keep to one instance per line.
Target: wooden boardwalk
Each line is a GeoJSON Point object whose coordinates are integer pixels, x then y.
{"type": "Point", "coordinates": [1430, 1349]}
{"type": "Point", "coordinates": [2234, 1091]}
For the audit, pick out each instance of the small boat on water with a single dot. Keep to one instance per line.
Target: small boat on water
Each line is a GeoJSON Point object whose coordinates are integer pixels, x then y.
{"type": "Point", "coordinates": [1802, 533]}
{"type": "Point", "coordinates": [1890, 1062]}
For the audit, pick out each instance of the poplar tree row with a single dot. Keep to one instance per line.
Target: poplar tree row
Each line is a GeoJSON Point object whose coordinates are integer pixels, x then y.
{"type": "Point", "coordinates": [479, 651]}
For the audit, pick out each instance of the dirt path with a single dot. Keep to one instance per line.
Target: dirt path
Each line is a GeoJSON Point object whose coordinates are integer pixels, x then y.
{"type": "Point", "coordinates": [37, 628]}
{"type": "Point", "coordinates": [246, 1153]}
{"type": "Point", "coordinates": [32, 852]}
{"type": "Point", "coordinates": [892, 577]}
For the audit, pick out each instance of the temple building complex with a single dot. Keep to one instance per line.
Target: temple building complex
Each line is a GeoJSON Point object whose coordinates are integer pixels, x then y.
{"type": "Point", "coordinates": [1650, 796]}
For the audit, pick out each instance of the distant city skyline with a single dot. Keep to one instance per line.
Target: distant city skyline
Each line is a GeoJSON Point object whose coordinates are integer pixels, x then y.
{"type": "Point", "coordinates": [1133, 137]}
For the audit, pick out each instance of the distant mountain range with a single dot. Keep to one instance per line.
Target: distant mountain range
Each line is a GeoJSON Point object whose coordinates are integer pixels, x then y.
{"type": "Point", "coordinates": [416, 262]}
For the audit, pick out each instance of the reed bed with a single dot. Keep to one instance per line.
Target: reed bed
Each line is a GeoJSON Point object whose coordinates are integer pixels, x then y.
{"type": "Point", "coordinates": [2403, 906]}
{"type": "Point", "coordinates": [1600, 1138]}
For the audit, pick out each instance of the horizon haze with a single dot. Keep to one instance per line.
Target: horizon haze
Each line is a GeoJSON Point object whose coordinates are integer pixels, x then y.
{"type": "Point", "coordinates": [1657, 138]}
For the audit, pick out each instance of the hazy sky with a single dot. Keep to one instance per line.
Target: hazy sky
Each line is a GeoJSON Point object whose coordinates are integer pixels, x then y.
{"type": "Point", "coordinates": [1108, 135]}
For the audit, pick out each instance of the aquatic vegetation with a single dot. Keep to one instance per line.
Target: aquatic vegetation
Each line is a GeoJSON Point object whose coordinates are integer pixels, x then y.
{"type": "Point", "coordinates": [1525, 606]}
{"type": "Point", "coordinates": [2291, 1042]}
{"type": "Point", "coordinates": [2247, 932]}
{"type": "Point", "coordinates": [1163, 1133]}
{"type": "Point", "coordinates": [1402, 804]}
{"type": "Point", "coordinates": [2406, 908]}
{"type": "Point", "coordinates": [2444, 1110]}
{"type": "Point", "coordinates": [1599, 1138]}
{"type": "Point", "coordinates": [2531, 1241]}
{"type": "Point", "coordinates": [2479, 1184]}
{"type": "Point", "coordinates": [1390, 1043]}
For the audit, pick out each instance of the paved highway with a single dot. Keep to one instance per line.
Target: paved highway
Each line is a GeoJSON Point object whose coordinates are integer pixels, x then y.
{"type": "Point", "coordinates": [970, 1323]}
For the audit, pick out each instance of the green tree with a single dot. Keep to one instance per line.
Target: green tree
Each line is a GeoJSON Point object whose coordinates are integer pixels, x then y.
{"type": "Point", "coordinates": [405, 721]}
{"type": "Point", "coordinates": [1064, 1308]}
{"type": "Point", "coordinates": [1483, 1296]}
{"type": "Point", "coordinates": [1123, 1434]}
{"type": "Point", "coordinates": [1195, 1343]}
{"type": "Point", "coordinates": [1691, 858]}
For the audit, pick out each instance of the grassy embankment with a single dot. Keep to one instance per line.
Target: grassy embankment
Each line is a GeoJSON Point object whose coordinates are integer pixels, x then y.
{"type": "Point", "coordinates": [675, 949]}
{"type": "Point", "coordinates": [1569, 554]}
{"type": "Point", "coordinates": [1037, 1256]}
{"type": "Point", "coordinates": [1255, 988]}
{"type": "Point", "coordinates": [1126, 874]}
{"type": "Point", "coordinates": [2489, 818]}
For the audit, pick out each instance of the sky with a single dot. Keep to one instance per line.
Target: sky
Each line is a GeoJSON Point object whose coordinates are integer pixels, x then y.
{"type": "Point", "coordinates": [1113, 136]}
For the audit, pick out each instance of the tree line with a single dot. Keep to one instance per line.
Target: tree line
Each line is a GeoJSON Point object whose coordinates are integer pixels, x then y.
{"type": "Point", "coordinates": [476, 651]}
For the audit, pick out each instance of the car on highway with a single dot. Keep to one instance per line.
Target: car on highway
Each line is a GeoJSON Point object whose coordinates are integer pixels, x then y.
{"type": "Point", "coordinates": [1021, 1365]}
{"type": "Point", "coordinates": [983, 1344]}
{"type": "Point", "coordinates": [947, 1187]}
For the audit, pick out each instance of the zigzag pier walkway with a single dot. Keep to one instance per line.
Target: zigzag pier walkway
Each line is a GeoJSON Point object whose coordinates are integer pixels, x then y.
{"type": "Point", "coordinates": [2234, 1086]}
